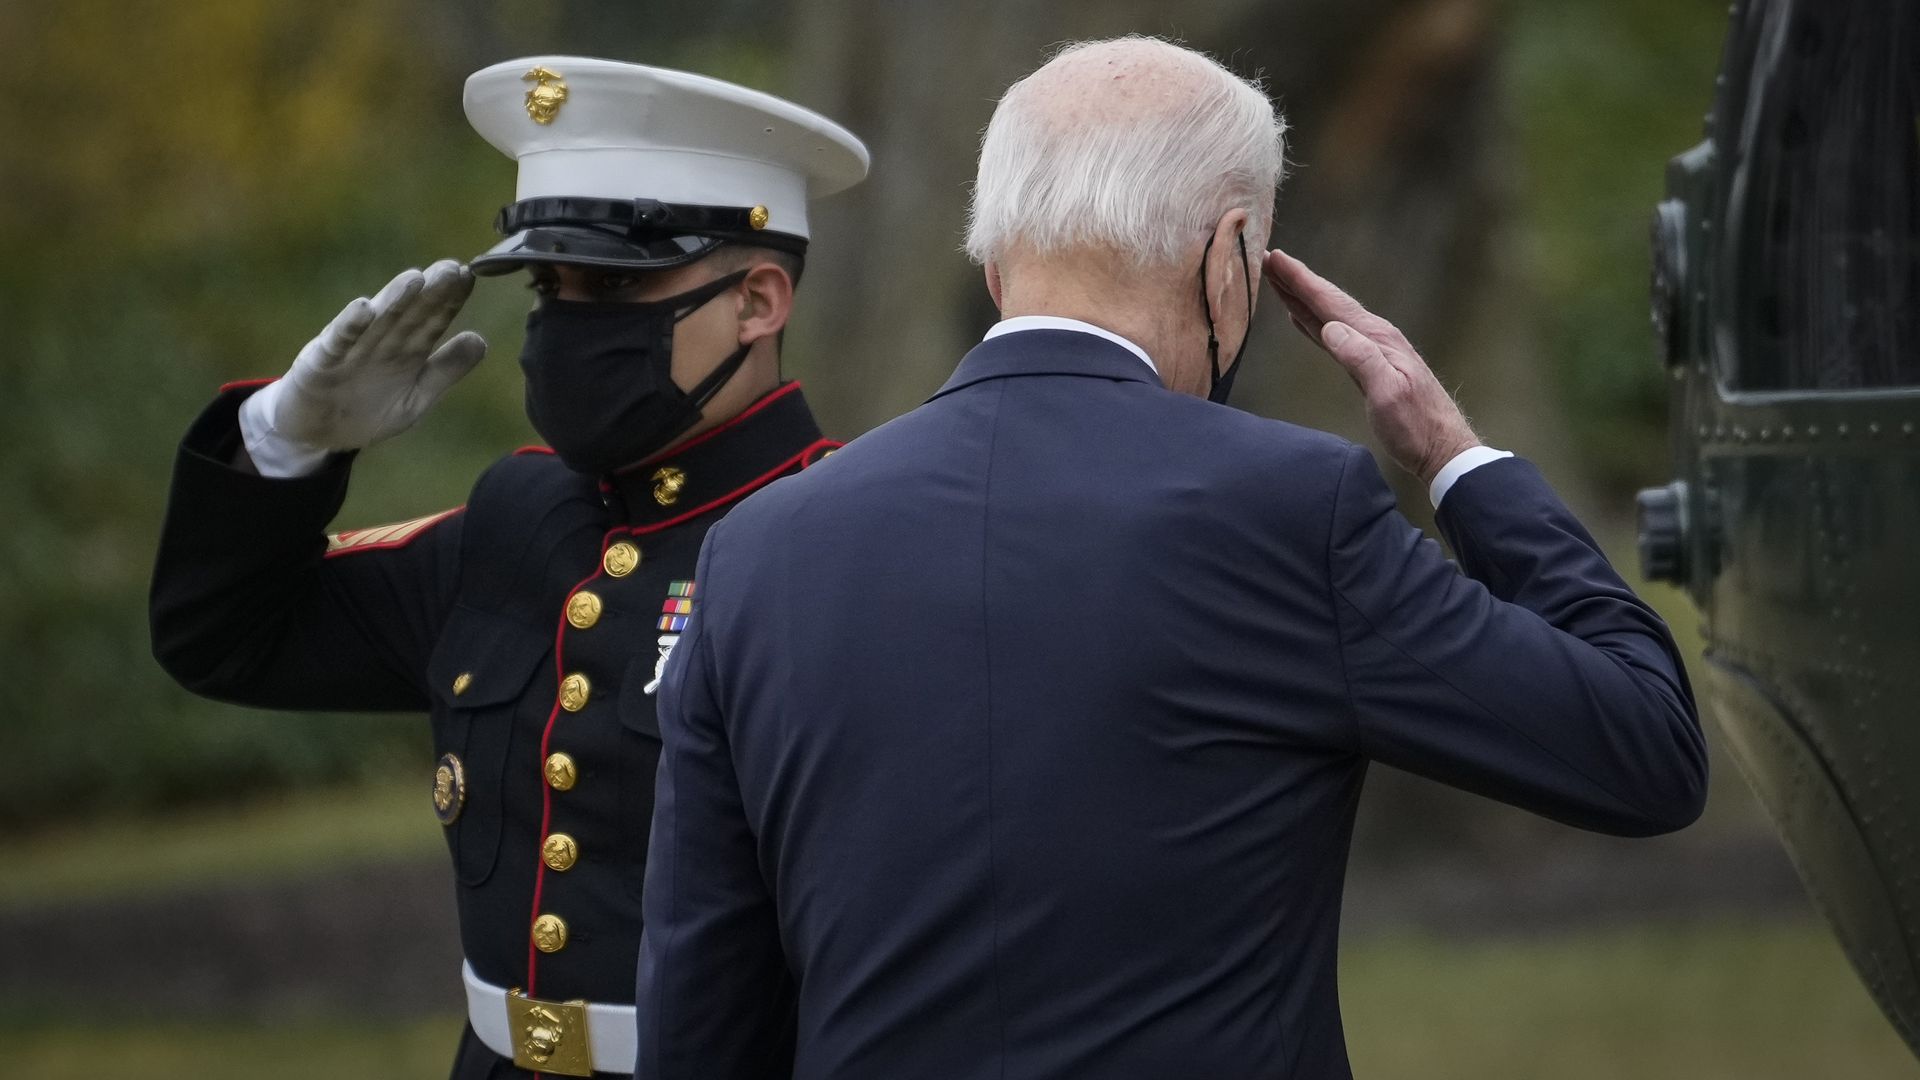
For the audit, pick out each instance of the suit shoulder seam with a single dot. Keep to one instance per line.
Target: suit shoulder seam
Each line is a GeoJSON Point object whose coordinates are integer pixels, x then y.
{"type": "Point", "coordinates": [986, 621]}
{"type": "Point", "coordinates": [1334, 597]}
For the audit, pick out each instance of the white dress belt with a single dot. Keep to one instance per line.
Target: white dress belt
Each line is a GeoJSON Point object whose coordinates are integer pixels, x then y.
{"type": "Point", "coordinates": [610, 1028]}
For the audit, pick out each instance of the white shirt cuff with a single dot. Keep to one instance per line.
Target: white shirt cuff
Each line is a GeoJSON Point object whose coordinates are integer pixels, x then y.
{"type": "Point", "coordinates": [274, 455]}
{"type": "Point", "coordinates": [1462, 464]}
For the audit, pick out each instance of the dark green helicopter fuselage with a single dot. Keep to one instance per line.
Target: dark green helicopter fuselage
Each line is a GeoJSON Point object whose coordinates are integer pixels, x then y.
{"type": "Point", "coordinates": [1787, 306]}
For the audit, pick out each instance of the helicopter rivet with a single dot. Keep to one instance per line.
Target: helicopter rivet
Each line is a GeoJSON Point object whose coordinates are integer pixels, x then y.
{"type": "Point", "coordinates": [1873, 429]}
{"type": "Point", "coordinates": [1813, 431]}
{"type": "Point", "coordinates": [1841, 430]}
{"type": "Point", "coordinates": [1907, 429]}
{"type": "Point", "coordinates": [1787, 432]}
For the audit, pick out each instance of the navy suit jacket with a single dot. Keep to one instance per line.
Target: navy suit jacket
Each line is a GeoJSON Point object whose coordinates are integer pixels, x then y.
{"type": "Point", "coordinates": [1022, 737]}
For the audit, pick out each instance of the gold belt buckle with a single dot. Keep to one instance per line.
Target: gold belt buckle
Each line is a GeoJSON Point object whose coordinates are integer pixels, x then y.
{"type": "Point", "coordinates": [549, 1036]}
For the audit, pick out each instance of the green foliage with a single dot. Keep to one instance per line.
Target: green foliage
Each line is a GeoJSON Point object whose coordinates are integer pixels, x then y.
{"type": "Point", "coordinates": [196, 187]}
{"type": "Point", "coordinates": [1604, 92]}
{"type": "Point", "coordinates": [209, 183]}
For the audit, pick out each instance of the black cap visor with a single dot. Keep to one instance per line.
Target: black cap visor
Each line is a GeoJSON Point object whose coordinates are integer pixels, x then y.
{"type": "Point", "coordinates": [588, 246]}
{"type": "Point", "coordinates": [637, 234]}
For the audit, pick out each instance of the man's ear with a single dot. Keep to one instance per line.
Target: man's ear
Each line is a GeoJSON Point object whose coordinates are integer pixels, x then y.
{"type": "Point", "coordinates": [993, 284]}
{"type": "Point", "coordinates": [767, 302]}
{"type": "Point", "coordinates": [1227, 273]}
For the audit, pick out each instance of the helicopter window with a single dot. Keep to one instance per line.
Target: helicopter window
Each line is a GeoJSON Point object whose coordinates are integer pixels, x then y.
{"type": "Point", "coordinates": [1826, 279]}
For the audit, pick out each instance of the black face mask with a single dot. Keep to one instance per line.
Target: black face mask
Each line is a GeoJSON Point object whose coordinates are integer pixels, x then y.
{"type": "Point", "coordinates": [1220, 384]}
{"type": "Point", "coordinates": [600, 385]}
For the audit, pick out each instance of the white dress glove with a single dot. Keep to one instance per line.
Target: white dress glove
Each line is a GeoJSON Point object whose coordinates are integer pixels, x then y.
{"type": "Point", "coordinates": [367, 377]}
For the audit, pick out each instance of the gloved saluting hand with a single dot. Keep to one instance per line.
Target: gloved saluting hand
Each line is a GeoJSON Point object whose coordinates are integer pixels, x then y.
{"type": "Point", "coordinates": [368, 376]}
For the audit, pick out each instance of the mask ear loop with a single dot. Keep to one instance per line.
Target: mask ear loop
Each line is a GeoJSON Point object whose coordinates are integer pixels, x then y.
{"type": "Point", "coordinates": [706, 388]}
{"type": "Point", "coordinates": [1246, 280]}
{"type": "Point", "coordinates": [694, 299]}
{"type": "Point", "coordinates": [1206, 310]}
{"type": "Point", "coordinates": [1213, 343]}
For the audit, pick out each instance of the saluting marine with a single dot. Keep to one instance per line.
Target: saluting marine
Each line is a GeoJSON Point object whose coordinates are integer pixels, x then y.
{"type": "Point", "coordinates": [663, 219]}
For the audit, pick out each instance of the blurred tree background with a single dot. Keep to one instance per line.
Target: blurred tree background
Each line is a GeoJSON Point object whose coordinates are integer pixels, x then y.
{"type": "Point", "coordinates": [195, 188]}
{"type": "Point", "coordinates": [192, 188]}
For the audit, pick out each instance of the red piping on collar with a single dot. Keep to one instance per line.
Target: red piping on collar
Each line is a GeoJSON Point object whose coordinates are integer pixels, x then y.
{"type": "Point", "coordinates": [245, 384]}
{"type": "Point", "coordinates": [533, 449]}
{"type": "Point", "coordinates": [737, 493]}
{"type": "Point", "coordinates": [730, 424]}
{"type": "Point", "coordinates": [825, 446]}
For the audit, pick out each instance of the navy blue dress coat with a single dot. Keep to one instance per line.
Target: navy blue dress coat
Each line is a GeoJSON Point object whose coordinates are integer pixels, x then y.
{"type": "Point", "coordinates": [1022, 738]}
{"type": "Point", "coordinates": [481, 617]}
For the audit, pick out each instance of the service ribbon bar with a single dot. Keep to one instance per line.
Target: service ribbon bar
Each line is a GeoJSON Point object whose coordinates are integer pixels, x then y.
{"type": "Point", "coordinates": [678, 608]}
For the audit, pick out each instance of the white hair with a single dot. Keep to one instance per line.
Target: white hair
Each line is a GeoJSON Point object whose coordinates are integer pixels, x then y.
{"type": "Point", "coordinates": [1146, 184]}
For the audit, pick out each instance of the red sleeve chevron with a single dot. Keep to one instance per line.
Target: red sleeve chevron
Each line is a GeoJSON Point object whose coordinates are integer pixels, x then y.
{"type": "Point", "coordinates": [384, 537]}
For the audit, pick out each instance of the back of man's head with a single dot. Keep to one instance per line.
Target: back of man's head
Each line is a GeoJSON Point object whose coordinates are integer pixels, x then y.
{"type": "Point", "coordinates": [1130, 148]}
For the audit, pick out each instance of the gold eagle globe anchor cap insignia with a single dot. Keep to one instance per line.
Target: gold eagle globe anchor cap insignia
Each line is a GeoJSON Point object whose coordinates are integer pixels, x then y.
{"type": "Point", "coordinates": [549, 92]}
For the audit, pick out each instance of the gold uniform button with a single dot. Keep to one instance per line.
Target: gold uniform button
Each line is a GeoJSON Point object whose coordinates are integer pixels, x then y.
{"type": "Point", "coordinates": [574, 692]}
{"type": "Point", "coordinates": [583, 610]}
{"type": "Point", "coordinates": [621, 559]}
{"type": "Point", "coordinates": [449, 789]}
{"type": "Point", "coordinates": [559, 852]}
{"type": "Point", "coordinates": [461, 682]}
{"type": "Point", "coordinates": [562, 773]}
{"type": "Point", "coordinates": [549, 933]}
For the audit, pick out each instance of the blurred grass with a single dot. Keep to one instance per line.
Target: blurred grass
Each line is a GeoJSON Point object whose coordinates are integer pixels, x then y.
{"type": "Point", "coordinates": [421, 1048]}
{"type": "Point", "coordinates": [1727, 1002]}
{"type": "Point", "coordinates": [1752, 1002]}
{"type": "Point", "coordinates": [287, 834]}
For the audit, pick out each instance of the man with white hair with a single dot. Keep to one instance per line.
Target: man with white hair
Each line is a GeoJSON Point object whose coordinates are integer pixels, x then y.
{"type": "Point", "coordinates": [1023, 737]}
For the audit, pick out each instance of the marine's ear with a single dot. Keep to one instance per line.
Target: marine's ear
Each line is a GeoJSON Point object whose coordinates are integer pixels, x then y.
{"type": "Point", "coordinates": [993, 284]}
{"type": "Point", "coordinates": [766, 304]}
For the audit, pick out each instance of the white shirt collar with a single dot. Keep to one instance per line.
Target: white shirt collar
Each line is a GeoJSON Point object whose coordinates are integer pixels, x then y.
{"type": "Point", "coordinates": [1054, 322]}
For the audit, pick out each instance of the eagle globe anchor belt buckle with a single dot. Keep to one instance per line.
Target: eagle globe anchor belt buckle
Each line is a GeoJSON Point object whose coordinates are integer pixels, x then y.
{"type": "Point", "coordinates": [549, 1036]}
{"type": "Point", "coordinates": [554, 1038]}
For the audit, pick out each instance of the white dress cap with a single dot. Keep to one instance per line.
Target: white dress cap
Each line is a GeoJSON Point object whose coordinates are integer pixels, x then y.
{"type": "Point", "coordinates": [601, 129]}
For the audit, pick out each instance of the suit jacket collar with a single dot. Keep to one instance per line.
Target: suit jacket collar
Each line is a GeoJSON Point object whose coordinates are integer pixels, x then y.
{"type": "Point", "coordinates": [1047, 352]}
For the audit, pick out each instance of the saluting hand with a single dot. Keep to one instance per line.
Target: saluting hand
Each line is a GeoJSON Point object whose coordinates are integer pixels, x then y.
{"type": "Point", "coordinates": [369, 375]}
{"type": "Point", "coordinates": [1411, 413]}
